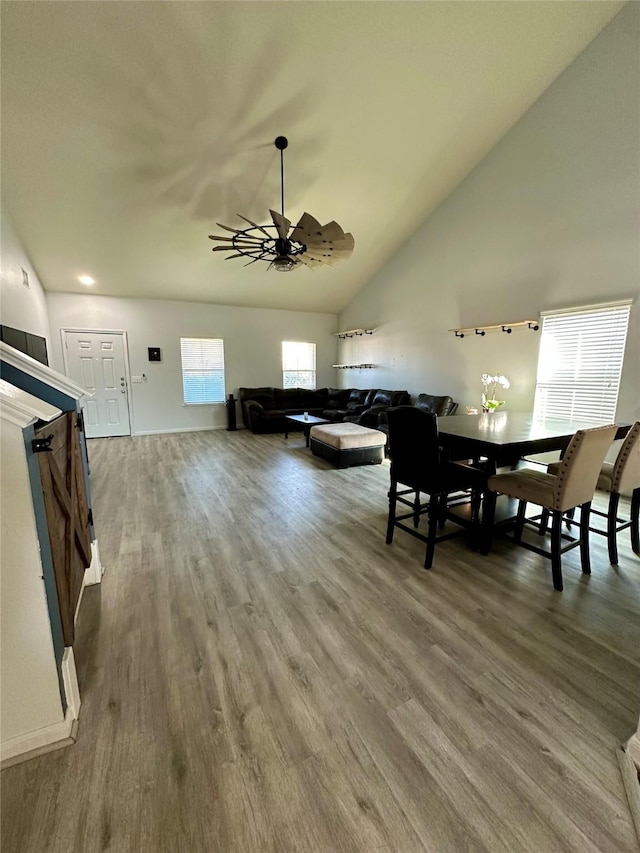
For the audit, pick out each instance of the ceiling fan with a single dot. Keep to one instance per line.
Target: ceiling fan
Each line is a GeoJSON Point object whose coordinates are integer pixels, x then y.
{"type": "Point", "coordinates": [307, 243]}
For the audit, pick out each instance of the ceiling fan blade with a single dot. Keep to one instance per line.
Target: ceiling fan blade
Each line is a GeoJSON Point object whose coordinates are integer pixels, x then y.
{"type": "Point", "coordinates": [249, 241]}
{"type": "Point", "coordinates": [255, 225]}
{"type": "Point", "coordinates": [311, 263]}
{"type": "Point", "coordinates": [227, 228]}
{"type": "Point", "coordinates": [281, 223]}
{"type": "Point", "coordinates": [235, 256]}
{"type": "Point", "coordinates": [332, 231]}
{"type": "Point", "coordinates": [308, 228]}
{"type": "Point", "coordinates": [325, 260]}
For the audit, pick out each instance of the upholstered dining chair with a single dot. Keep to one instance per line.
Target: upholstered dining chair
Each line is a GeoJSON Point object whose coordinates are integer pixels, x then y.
{"type": "Point", "coordinates": [571, 486]}
{"type": "Point", "coordinates": [619, 477]}
{"type": "Point", "coordinates": [417, 467]}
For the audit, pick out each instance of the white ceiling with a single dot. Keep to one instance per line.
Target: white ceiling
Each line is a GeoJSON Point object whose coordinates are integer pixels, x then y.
{"type": "Point", "coordinates": [130, 128]}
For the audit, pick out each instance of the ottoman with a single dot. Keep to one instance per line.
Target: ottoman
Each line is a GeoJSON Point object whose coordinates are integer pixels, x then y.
{"type": "Point", "coordinates": [347, 444]}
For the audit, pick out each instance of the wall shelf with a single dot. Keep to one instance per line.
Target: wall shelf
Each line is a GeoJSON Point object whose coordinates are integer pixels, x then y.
{"type": "Point", "coordinates": [352, 333]}
{"type": "Point", "coordinates": [352, 366]}
{"type": "Point", "coordinates": [534, 325]}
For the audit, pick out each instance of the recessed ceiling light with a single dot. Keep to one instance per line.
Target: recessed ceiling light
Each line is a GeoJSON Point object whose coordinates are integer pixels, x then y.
{"type": "Point", "coordinates": [86, 279]}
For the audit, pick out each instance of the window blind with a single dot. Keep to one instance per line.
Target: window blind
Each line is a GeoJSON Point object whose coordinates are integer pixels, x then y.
{"type": "Point", "coordinates": [298, 364]}
{"type": "Point", "coordinates": [580, 363]}
{"type": "Point", "coordinates": [202, 370]}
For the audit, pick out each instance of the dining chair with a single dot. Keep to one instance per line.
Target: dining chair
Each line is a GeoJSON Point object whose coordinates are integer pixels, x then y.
{"type": "Point", "coordinates": [571, 486]}
{"type": "Point", "coordinates": [417, 468]}
{"type": "Point", "coordinates": [619, 477]}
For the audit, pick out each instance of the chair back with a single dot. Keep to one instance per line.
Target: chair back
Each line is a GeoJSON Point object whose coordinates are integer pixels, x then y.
{"type": "Point", "coordinates": [413, 445]}
{"type": "Point", "coordinates": [626, 469]}
{"type": "Point", "coordinates": [578, 474]}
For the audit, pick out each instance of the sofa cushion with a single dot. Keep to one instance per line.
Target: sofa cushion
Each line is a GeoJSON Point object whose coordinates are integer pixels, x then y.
{"type": "Point", "coordinates": [357, 396]}
{"type": "Point", "coordinates": [338, 397]}
{"type": "Point", "coordinates": [382, 398]}
{"type": "Point", "coordinates": [440, 406]}
{"type": "Point", "coordinates": [263, 395]}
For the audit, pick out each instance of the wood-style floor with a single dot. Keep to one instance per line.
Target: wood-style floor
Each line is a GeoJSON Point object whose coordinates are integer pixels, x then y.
{"type": "Point", "coordinates": [260, 672]}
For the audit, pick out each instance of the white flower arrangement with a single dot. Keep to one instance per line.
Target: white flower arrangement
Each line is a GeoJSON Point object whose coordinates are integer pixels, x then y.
{"type": "Point", "coordinates": [489, 402]}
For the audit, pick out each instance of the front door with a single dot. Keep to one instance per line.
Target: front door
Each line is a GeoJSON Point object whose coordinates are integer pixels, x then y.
{"type": "Point", "coordinates": [96, 362]}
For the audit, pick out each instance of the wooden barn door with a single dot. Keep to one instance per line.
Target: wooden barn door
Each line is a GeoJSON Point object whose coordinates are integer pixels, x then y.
{"type": "Point", "coordinates": [67, 512]}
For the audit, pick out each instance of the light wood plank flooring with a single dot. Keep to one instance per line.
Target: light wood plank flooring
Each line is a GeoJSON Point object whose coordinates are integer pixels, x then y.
{"type": "Point", "coordinates": [260, 672]}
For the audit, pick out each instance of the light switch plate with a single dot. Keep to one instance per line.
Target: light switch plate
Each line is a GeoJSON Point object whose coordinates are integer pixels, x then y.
{"type": "Point", "coordinates": [136, 378]}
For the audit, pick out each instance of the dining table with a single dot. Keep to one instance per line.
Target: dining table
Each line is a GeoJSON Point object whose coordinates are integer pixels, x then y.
{"type": "Point", "coordinates": [502, 438]}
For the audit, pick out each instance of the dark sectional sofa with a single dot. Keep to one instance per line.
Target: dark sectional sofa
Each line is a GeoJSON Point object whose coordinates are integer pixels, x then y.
{"type": "Point", "coordinates": [264, 409]}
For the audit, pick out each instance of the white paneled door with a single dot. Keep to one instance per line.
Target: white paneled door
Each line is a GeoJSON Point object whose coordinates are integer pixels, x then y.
{"type": "Point", "coordinates": [96, 361]}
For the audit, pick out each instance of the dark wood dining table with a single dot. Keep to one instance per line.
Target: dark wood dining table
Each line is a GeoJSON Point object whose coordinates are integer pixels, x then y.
{"type": "Point", "coordinates": [504, 437]}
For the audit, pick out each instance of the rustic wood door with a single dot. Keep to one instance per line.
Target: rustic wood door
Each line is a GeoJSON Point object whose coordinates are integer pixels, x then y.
{"type": "Point", "coordinates": [67, 512]}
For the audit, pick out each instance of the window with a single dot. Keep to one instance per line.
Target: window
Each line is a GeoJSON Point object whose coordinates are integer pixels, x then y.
{"type": "Point", "coordinates": [202, 370]}
{"type": "Point", "coordinates": [580, 362]}
{"type": "Point", "coordinates": [298, 364]}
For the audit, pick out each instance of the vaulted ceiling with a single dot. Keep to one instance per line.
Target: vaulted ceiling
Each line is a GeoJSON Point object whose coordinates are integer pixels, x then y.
{"type": "Point", "coordinates": [130, 128]}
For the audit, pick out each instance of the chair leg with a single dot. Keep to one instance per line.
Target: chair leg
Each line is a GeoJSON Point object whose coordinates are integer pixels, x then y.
{"type": "Point", "coordinates": [635, 521]}
{"type": "Point", "coordinates": [416, 508]}
{"type": "Point", "coordinates": [544, 522]}
{"type": "Point", "coordinates": [476, 502]}
{"type": "Point", "coordinates": [585, 512]}
{"type": "Point", "coordinates": [488, 516]}
{"type": "Point", "coordinates": [568, 516]}
{"type": "Point", "coordinates": [612, 517]}
{"type": "Point", "coordinates": [517, 533]}
{"type": "Point", "coordinates": [392, 511]}
{"type": "Point", "coordinates": [434, 512]}
{"type": "Point", "coordinates": [556, 544]}
{"type": "Point", "coordinates": [442, 511]}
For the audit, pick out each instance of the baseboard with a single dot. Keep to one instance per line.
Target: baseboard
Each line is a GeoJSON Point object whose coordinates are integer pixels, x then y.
{"type": "Point", "coordinates": [70, 682]}
{"type": "Point", "coordinates": [631, 783]}
{"type": "Point", "coordinates": [32, 744]}
{"type": "Point", "coordinates": [93, 574]}
{"type": "Point", "coordinates": [632, 748]}
{"type": "Point", "coordinates": [180, 429]}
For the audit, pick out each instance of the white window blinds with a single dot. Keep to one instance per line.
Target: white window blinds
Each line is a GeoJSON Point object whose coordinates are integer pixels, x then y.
{"type": "Point", "coordinates": [580, 362]}
{"type": "Point", "coordinates": [202, 370]}
{"type": "Point", "coordinates": [298, 364]}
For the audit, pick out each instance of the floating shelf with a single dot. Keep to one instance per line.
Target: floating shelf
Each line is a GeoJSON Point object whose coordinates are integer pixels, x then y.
{"type": "Point", "coordinates": [352, 366]}
{"type": "Point", "coordinates": [352, 333]}
{"type": "Point", "coordinates": [534, 325]}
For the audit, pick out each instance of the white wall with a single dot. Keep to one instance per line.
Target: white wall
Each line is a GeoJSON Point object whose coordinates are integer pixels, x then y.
{"type": "Point", "coordinates": [252, 346]}
{"type": "Point", "coordinates": [20, 307]}
{"type": "Point", "coordinates": [549, 219]}
{"type": "Point", "coordinates": [30, 696]}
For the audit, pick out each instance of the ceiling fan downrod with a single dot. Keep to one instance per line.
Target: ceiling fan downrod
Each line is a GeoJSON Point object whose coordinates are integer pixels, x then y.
{"type": "Point", "coordinates": [281, 143]}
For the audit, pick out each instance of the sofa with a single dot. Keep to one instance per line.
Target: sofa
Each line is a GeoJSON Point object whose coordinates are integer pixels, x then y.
{"type": "Point", "coordinates": [376, 403]}
{"type": "Point", "coordinates": [264, 409]}
{"type": "Point", "coordinates": [441, 406]}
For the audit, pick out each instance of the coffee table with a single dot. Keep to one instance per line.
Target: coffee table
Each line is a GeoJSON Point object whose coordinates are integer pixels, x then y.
{"type": "Point", "coordinates": [305, 423]}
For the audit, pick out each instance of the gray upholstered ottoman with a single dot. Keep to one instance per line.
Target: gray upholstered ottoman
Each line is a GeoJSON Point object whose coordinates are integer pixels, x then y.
{"type": "Point", "coordinates": [347, 444]}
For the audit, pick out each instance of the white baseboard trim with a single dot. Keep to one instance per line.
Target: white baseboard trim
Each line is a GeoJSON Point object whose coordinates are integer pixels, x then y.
{"type": "Point", "coordinates": [180, 429]}
{"type": "Point", "coordinates": [95, 571]}
{"type": "Point", "coordinates": [70, 681]}
{"type": "Point", "coordinates": [629, 772]}
{"type": "Point", "coordinates": [632, 747]}
{"type": "Point", "coordinates": [30, 745]}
